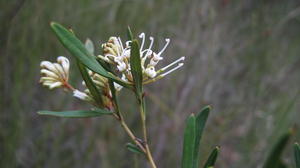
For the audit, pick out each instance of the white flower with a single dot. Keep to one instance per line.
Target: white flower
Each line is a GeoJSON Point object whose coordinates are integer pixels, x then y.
{"type": "Point", "coordinates": [117, 86]}
{"type": "Point", "coordinates": [150, 72]}
{"type": "Point", "coordinates": [118, 55]}
{"type": "Point", "coordinates": [81, 95]}
{"type": "Point", "coordinates": [121, 66]}
{"type": "Point", "coordinates": [148, 53]}
{"type": "Point", "coordinates": [55, 75]}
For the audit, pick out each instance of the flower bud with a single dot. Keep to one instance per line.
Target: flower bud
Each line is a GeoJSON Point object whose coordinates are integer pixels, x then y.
{"type": "Point", "coordinates": [55, 75]}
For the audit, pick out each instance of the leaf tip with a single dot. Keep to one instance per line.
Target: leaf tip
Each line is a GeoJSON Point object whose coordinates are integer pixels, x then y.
{"type": "Point", "coordinates": [52, 23]}
{"type": "Point", "coordinates": [208, 107]}
{"type": "Point", "coordinates": [40, 112]}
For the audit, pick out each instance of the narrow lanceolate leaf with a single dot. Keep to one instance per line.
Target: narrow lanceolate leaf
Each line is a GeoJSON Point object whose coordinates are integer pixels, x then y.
{"type": "Point", "coordinates": [189, 143]}
{"type": "Point", "coordinates": [133, 148]}
{"type": "Point", "coordinates": [95, 92]}
{"type": "Point", "coordinates": [129, 34]}
{"type": "Point", "coordinates": [78, 50]}
{"type": "Point", "coordinates": [77, 113]}
{"type": "Point", "coordinates": [274, 158]}
{"type": "Point", "coordinates": [297, 154]}
{"type": "Point", "coordinates": [212, 158]}
{"type": "Point", "coordinates": [89, 45]}
{"type": "Point", "coordinates": [136, 68]}
{"type": "Point", "coordinates": [106, 66]}
{"type": "Point", "coordinates": [201, 119]}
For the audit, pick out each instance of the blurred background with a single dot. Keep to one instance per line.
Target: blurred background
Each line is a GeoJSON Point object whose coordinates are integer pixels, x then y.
{"type": "Point", "coordinates": [242, 57]}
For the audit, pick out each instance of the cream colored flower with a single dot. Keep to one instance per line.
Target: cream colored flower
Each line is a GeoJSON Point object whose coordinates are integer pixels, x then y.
{"type": "Point", "coordinates": [103, 85]}
{"type": "Point", "coordinates": [82, 96]}
{"type": "Point", "coordinates": [119, 56]}
{"type": "Point", "coordinates": [55, 75]}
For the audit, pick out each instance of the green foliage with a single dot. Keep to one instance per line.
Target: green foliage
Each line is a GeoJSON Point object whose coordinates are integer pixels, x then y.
{"type": "Point", "coordinates": [129, 34]}
{"type": "Point", "coordinates": [274, 157]}
{"type": "Point", "coordinates": [77, 49]}
{"type": "Point", "coordinates": [189, 143]}
{"type": "Point", "coordinates": [260, 47]}
{"type": "Point", "coordinates": [136, 68]}
{"type": "Point", "coordinates": [95, 92]}
{"type": "Point", "coordinates": [192, 136]}
{"type": "Point", "coordinates": [210, 162]}
{"type": "Point", "coordinates": [133, 148]}
{"type": "Point", "coordinates": [297, 154]}
{"type": "Point", "coordinates": [201, 119]}
{"type": "Point", "coordinates": [77, 113]}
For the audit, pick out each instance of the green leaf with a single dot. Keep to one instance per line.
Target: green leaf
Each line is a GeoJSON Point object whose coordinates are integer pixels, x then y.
{"type": "Point", "coordinates": [89, 45]}
{"type": "Point", "coordinates": [274, 158]}
{"type": "Point", "coordinates": [297, 154]}
{"type": "Point", "coordinates": [133, 148]}
{"type": "Point", "coordinates": [189, 142]}
{"type": "Point", "coordinates": [106, 66]}
{"type": "Point", "coordinates": [95, 92]}
{"type": "Point", "coordinates": [77, 113]}
{"type": "Point", "coordinates": [129, 34]}
{"type": "Point", "coordinates": [212, 158]}
{"type": "Point", "coordinates": [136, 68]}
{"type": "Point", "coordinates": [77, 49]}
{"type": "Point", "coordinates": [201, 119]}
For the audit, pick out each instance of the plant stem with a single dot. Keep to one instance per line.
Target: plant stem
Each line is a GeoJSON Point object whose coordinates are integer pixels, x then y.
{"type": "Point", "coordinates": [120, 118]}
{"type": "Point", "coordinates": [143, 118]}
{"type": "Point", "coordinates": [132, 136]}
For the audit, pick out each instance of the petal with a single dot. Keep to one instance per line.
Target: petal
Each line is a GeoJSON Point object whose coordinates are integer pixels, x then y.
{"type": "Point", "coordinates": [55, 85]}
{"type": "Point", "coordinates": [117, 86]}
{"type": "Point", "coordinates": [60, 71]}
{"type": "Point", "coordinates": [47, 79]}
{"type": "Point", "coordinates": [64, 62]}
{"type": "Point", "coordinates": [80, 95]}
{"type": "Point", "coordinates": [49, 73]}
{"type": "Point", "coordinates": [48, 65]}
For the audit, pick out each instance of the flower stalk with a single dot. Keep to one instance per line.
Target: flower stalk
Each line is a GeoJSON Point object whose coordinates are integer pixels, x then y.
{"type": "Point", "coordinates": [145, 135]}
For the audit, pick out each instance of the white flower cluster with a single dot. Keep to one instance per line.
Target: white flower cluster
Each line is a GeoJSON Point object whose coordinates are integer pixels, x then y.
{"type": "Point", "coordinates": [55, 75]}
{"type": "Point", "coordinates": [117, 54]}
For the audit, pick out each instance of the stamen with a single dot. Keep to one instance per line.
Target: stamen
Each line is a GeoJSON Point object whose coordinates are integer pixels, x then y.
{"type": "Point", "coordinates": [142, 36]}
{"type": "Point", "coordinates": [120, 41]}
{"type": "Point", "coordinates": [119, 47]}
{"type": "Point", "coordinates": [166, 67]}
{"type": "Point", "coordinates": [164, 48]}
{"type": "Point", "coordinates": [151, 44]}
{"type": "Point", "coordinates": [175, 68]}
